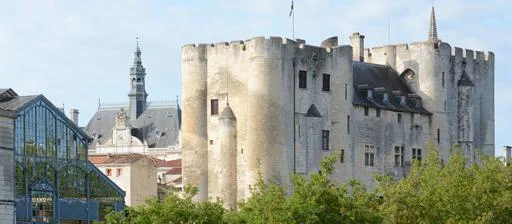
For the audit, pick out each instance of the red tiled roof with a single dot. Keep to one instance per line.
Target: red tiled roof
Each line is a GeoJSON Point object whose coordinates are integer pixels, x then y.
{"type": "Point", "coordinates": [116, 158]}
{"type": "Point", "coordinates": [174, 171]}
{"type": "Point", "coordinates": [98, 159]}
{"type": "Point", "coordinates": [170, 163]}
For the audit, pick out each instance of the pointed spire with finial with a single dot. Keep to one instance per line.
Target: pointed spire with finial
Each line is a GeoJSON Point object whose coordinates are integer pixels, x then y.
{"type": "Point", "coordinates": [137, 60]}
{"type": "Point", "coordinates": [432, 34]}
{"type": "Point", "coordinates": [138, 92]}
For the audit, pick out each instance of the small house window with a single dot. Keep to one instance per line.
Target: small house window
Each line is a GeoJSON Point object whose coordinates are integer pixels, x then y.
{"type": "Point", "coordinates": [326, 83]}
{"type": "Point", "coordinates": [399, 156]}
{"type": "Point", "coordinates": [377, 112]}
{"type": "Point", "coordinates": [214, 107]}
{"type": "Point", "coordinates": [366, 111]}
{"type": "Point", "coordinates": [119, 171]}
{"type": "Point", "coordinates": [399, 118]}
{"type": "Point", "coordinates": [325, 140]}
{"type": "Point", "coordinates": [416, 154]}
{"type": "Point", "coordinates": [369, 155]}
{"type": "Point", "coordinates": [303, 79]}
{"type": "Point", "coordinates": [342, 155]}
{"type": "Point", "coordinates": [109, 172]}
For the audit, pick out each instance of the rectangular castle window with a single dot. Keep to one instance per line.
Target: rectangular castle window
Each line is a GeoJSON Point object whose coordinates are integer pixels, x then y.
{"type": "Point", "coordinates": [346, 91]}
{"type": "Point", "coordinates": [438, 136]}
{"type": "Point", "coordinates": [377, 112]}
{"type": "Point", "coordinates": [326, 82]}
{"type": "Point", "coordinates": [342, 155]}
{"type": "Point", "coordinates": [399, 118]}
{"type": "Point", "coordinates": [399, 156]}
{"type": "Point", "coordinates": [366, 111]}
{"type": "Point", "coordinates": [442, 79]}
{"type": "Point", "coordinates": [303, 79]}
{"type": "Point", "coordinates": [214, 104]}
{"type": "Point", "coordinates": [369, 155]}
{"type": "Point", "coordinates": [109, 172]}
{"type": "Point", "coordinates": [325, 140]}
{"type": "Point", "coordinates": [119, 171]}
{"type": "Point", "coordinates": [348, 124]}
{"type": "Point", "coordinates": [416, 154]}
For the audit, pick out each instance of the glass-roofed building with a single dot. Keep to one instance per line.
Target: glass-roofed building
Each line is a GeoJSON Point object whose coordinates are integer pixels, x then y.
{"type": "Point", "coordinates": [47, 177]}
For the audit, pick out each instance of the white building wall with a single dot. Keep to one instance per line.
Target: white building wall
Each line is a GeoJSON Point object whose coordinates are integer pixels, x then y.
{"type": "Point", "coordinates": [143, 181]}
{"type": "Point", "coordinates": [138, 180]}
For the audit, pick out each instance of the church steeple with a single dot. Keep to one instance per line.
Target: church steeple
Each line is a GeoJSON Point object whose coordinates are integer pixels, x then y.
{"type": "Point", "coordinates": [432, 34]}
{"type": "Point", "coordinates": [138, 92]}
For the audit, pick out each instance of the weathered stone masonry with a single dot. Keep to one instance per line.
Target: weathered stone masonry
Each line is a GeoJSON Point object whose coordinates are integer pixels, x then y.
{"type": "Point", "coordinates": [290, 104]}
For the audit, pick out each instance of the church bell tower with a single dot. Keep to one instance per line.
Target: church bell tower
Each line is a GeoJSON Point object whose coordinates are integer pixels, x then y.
{"type": "Point", "coordinates": [138, 92]}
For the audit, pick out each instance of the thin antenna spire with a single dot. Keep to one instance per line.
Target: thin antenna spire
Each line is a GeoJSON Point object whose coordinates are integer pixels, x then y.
{"type": "Point", "coordinates": [389, 29]}
{"type": "Point", "coordinates": [292, 14]}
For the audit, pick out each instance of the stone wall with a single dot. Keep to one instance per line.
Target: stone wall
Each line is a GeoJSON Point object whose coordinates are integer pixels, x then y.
{"type": "Point", "coordinates": [438, 68]}
{"type": "Point", "coordinates": [277, 136]}
{"type": "Point", "coordinates": [7, 170]}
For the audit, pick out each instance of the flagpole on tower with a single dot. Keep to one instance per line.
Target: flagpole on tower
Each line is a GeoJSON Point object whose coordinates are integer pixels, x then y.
{"type": "Point", "coordinates": [292, 14]}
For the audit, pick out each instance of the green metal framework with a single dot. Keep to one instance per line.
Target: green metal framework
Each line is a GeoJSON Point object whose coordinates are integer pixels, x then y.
{"type": "Point", "coordinates": [55, 183]}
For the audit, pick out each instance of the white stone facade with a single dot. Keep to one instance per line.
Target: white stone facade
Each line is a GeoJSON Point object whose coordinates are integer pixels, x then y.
{"type": "Point", "coordinates": [275, 135]}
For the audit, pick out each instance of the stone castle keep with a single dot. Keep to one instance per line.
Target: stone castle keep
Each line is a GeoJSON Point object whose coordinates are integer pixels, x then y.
{"type": "Point", "coordinates": [278, 106]}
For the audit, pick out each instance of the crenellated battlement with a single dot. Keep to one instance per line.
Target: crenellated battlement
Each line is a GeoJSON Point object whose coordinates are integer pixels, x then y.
{"type": "Point", "coordinates": [472, 55]}
{"type": "Point", "coordinates": [274, 44]}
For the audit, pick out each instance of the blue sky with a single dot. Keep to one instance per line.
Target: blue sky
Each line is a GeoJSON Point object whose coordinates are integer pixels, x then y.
{"type": "Point", "coordinates": [75, 52]}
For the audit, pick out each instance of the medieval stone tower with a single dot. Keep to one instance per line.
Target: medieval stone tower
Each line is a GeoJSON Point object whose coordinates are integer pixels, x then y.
{"type": "Point", "coordinates": [290, 104]}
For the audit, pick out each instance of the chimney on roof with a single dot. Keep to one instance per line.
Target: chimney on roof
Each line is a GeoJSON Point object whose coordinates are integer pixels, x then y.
{"type": "Point", "coordinates": [357, 41]}
{"type": "Point", "coordinates": [73, 115]}
{"type": "Point", "coordinates": [508, 153]}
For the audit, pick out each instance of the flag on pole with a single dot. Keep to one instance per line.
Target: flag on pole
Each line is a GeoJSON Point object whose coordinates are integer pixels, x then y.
{"type": "Point", "coordinates": [291, 10]}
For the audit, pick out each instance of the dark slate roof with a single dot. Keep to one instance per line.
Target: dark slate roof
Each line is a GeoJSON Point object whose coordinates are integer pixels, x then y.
{"type": "Point", "coordinates": [158, 125]}
{"type": "Point", "coordinates": [11, 104]}
{"type": "Point", "coordinates": [313, 112]}
{"type": "Point", "coordinates": [15, 103]}
{"type": "Point", "coordinates": [465, 80]}
{"type": "Point", "coordinates": [386, 80]}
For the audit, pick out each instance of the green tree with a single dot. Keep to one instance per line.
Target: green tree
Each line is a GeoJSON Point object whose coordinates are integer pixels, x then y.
{"type": "Point", "coordinates": [173, 208]}
{"type": "Point", "coordinates": [456, 192]}
{"type": "Point", "coordinates": [433, 192]}
{"type": "Point", "coordinates": [314, 199]}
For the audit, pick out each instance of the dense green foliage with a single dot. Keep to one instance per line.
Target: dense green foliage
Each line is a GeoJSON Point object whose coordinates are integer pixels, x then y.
{"type": "Point", "coordinates": [433, 192]}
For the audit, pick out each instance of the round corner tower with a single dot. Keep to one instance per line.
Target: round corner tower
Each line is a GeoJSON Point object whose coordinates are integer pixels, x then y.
{"type": "Point", "coordinates": [226, 169]}
{"type": "Point", "coordinates": [194, 133]}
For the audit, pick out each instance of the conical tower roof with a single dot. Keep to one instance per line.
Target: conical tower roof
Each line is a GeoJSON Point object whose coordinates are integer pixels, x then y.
{"type": "Point", "coordinates": [227, 113]}
{"type": "Point", "coordinates": [465, 80]}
